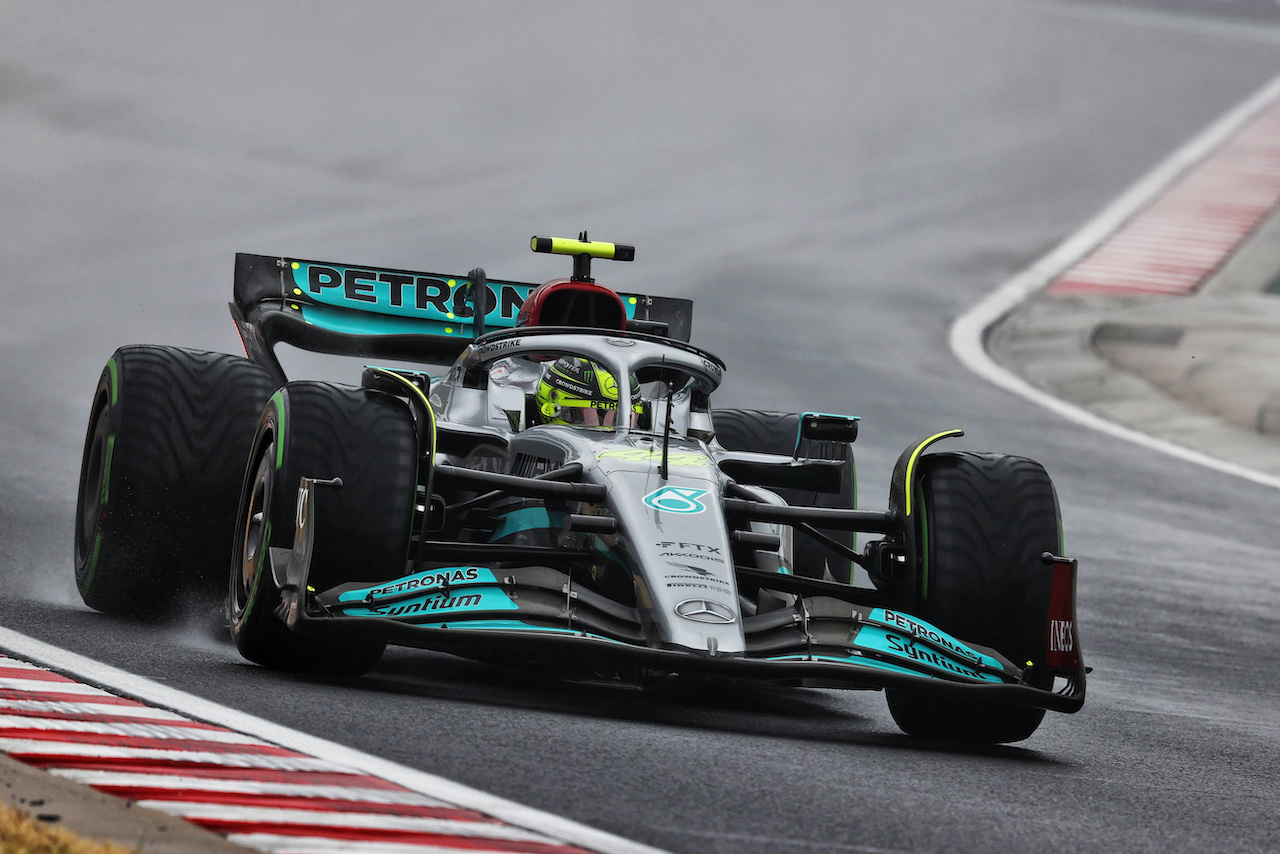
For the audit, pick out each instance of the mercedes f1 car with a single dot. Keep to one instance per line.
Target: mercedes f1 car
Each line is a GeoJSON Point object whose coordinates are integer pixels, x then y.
{"type": "Point", "coordinates": [562, 497]}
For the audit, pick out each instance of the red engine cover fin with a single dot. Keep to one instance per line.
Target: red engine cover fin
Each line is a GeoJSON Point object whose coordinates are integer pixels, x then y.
{"type": "Point", "coordinates": [566, 302]}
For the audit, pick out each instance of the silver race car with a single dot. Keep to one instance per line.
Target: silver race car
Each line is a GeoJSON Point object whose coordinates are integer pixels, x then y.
{"type": "Point", "coordinates": [563, 497]}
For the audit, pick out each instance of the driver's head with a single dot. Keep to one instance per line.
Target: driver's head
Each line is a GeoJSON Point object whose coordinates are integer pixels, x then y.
{"type": "Point", "coordinates": [577, 391]}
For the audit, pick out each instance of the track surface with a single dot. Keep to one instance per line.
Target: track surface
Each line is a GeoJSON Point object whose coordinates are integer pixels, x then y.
{"type": "Point", "coordinates": [832, 182]}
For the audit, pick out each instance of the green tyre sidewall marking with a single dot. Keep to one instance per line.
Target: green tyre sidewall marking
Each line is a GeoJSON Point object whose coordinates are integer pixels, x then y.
{"type": "Point", "coordinates": [278, 405]}
{"type": "Point", "coordinates": [115, 381]}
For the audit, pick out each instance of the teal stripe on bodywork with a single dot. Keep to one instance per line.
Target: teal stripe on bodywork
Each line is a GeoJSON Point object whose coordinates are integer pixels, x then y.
{"type": "Point", "coordinates": [528, 519]}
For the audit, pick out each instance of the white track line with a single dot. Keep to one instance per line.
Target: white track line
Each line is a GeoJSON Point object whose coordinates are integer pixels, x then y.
{"type": "Point", "coordinates": [36, 707]}
{"type": "Point", "coordinates": [41, 686]}
{"type": "Point", "coordinates": [334, 754]}
{"type": "Point", "coordinates": [153, 731]}
{"type": "Point", "coordinates": [71, 751]}
{"type": "Point", "coordinates": [968, 333]}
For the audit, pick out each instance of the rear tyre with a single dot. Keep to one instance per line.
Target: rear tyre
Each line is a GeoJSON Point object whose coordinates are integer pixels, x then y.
{"type": "Point", "coordinates": [361, 530]}
{"type": "Point", "coordinates": [163, 461]}
{"type": "Point", "coordinates": [985, 520]}
{"type": "Point", "coordinates": [775, 433]}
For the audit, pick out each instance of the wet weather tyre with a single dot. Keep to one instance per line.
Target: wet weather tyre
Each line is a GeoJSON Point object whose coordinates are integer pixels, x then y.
{"type": "Point", "coordinates": [361, 529]}
{"type": "Point", "coordinates": [985, 520]}
{"type": "Point", "coordinates": [776, 433]}
{"type": "Point", "coordinates": [169, 431]}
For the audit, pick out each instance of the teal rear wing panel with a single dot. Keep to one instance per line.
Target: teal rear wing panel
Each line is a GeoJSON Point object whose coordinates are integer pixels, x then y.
{"type": "Point", "coordinates": [403, 314]}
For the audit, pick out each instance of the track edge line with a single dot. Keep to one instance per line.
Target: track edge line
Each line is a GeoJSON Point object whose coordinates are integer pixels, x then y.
{"type": "Point", "coordinates": [967, 337]}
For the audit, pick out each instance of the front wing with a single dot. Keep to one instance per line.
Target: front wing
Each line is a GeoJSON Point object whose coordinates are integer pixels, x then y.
{"type": "Point", "coordinates": [538, 610]}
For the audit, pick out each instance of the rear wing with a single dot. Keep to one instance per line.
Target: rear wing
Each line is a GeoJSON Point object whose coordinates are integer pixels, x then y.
{"type": "Point", "coordinates": [393, 314]}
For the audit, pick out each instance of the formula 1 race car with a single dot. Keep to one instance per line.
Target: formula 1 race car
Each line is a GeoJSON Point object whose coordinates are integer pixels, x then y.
{"type": "Point", "coordinates": [564, 498]}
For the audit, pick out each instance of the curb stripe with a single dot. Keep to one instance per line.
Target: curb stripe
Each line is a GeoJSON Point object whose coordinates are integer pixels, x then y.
{"type": "Point", "coordinates": [245, 831]}
{"type": "Point", "coordinates": [30, 674]}
{"type": "Point", "coordinates": [1177, 242]}
{"type": "Point", "coordinates": [129, 783]}
{"type": "Point", "coordinates": [257, 794]}
{"type": "Point", "coordinates": [55, 688]}
{"type": "Point", "coordinates": [281, 844]}
{"type": "Point", "coordinates": [164, 730]}
{"type": "Point", "coordinates": [57, 753]}
{"type": "Point", "coordinates": [311, 822]}
{"type": "Point", "coordinates": [968, 333]}
{"type": "Point", "coordinates": [341, 766]}
{"type": "Point", "coordinates": [137, 742]}
{"type": "Point", "coordinates": [311, 802]}
{"type": "Point", "coordinates": [96, 707]}
{"type": "Point", "coordinates": [104, 699]}
{"type": "Point", "coordinates": [51, 714]}
{"type": "Point", "coordinates": [246, 776]}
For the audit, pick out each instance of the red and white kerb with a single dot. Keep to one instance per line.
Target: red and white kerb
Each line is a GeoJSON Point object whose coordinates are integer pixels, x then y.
{"type": "Point", "coordinates": [257, 794]}
{"type": "Point", "coordinates": [1176, 243]}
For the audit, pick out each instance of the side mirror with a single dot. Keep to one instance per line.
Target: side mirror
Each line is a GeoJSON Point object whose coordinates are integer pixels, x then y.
{"type": "Point", "coordinates": [820, 427]}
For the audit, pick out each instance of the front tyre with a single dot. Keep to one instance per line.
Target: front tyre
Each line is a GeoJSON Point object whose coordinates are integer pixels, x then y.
{"type": "Point", "coordinates": [163, 460]}
{"type": "Point", "coordinates": [361, 530]}
{"type": "Point", "coordinates": [984, 522]}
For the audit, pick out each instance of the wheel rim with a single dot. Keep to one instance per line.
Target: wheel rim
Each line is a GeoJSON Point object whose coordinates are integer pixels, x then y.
{"type": "Point", "coordinates": [92, 470]}
{"type": "Point", "coordinates": [252, 537]}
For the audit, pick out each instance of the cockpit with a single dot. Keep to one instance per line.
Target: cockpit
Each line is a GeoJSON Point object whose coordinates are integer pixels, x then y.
{"type": "Point", "coordinates": [591, 379]}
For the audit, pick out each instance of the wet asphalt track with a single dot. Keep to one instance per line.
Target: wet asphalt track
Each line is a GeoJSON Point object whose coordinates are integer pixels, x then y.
{"type": "Point", "coordinates": [832, 184]}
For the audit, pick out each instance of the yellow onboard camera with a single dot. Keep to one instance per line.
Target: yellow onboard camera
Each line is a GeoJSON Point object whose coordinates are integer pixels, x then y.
{"type": "Point", "coordinates": [583, 250]}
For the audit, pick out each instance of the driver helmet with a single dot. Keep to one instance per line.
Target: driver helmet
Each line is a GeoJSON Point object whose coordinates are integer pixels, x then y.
{"type": "Point", "coordinates": [577, 391]}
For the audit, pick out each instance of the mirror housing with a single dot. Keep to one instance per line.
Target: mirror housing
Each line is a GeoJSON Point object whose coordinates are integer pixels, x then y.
{"type": "Point", "coordinates": [821, 427]}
